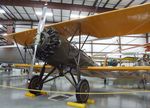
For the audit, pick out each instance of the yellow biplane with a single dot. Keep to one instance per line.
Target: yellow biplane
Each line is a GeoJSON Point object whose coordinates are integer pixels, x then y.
{"type": "Point", "coordinates": [54, 49]}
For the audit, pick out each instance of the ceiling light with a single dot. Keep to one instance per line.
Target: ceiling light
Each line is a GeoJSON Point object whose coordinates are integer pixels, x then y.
{"type": "Point", "coordinates": [46, 4]}
{"type": "Point", "coordinates": [47, 14]}
{"type": "Point", "coordinates": [4, 34]}
{"type": "Point", "coordinates": [74, 16]}
{"type": "Point", "coordinates": [1, 26]}
{"type": "Point", "coordinates": [82, 16]}
{"type": "Point", "coordinates": [114, 54]}
{"type": "Point", "coordinates": [95, 13]}
{"type": "Point", "coordinates": [2, 11]}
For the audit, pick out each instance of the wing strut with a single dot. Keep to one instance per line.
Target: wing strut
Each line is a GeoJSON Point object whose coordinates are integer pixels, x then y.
{"type": "Point", "coordinates": [37, 39]}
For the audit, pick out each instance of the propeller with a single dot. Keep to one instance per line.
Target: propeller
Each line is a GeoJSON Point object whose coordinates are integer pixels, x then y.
{"type": "Point", "coordinates": [37, 38]}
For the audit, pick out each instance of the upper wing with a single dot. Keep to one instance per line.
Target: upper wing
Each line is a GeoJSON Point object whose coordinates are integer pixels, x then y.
{"type": "Point", "coordinates": [133, 20]}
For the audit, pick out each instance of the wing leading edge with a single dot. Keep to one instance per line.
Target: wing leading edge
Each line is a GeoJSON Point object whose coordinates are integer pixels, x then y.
{"type": "Point", "coordinates": [133, 20]}
{"type": "Point", "coordinates": [116, 72]}
{"type": "Point", "coordinates": [122, 68]}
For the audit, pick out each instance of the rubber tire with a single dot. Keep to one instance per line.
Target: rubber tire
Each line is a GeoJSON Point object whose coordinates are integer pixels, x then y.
{"type": "Point", "coordinates": [34, 84]}
{"type": "Point", "coordinates": [83, 87]}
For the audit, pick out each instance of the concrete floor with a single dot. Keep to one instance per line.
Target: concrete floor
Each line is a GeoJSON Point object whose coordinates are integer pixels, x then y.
{"type": "Point", "coordinates": [11, 98]}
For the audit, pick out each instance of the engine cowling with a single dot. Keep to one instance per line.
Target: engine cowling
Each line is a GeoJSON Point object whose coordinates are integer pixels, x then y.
{"type": "Point", "coordinates": [49, 42]}
{"type": "Point", "coordinates": [56, 50]}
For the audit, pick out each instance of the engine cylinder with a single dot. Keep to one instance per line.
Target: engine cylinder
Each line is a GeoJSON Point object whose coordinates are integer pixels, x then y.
{"type": "Point", "coordinates": [49, 42]}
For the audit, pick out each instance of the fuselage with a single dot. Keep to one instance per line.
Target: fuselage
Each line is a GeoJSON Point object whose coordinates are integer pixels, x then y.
{"type": "Point", "coordinates": [56, 50]}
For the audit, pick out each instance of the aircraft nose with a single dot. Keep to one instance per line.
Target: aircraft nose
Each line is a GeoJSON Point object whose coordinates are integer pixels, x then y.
{"type": "Point", "coordinates": [49, 41]}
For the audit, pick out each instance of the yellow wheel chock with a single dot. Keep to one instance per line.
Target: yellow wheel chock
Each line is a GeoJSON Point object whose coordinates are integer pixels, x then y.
{"type": "Point", "coordinates": [75, 104]}
{"type": "Point", "coordinates": [28, 94]}
{"type": "Point", "coordinates": [91, 101]}
{"type": "Point", "coordinates": [81, 105]}
{"type": "Point", "coordinates": [43, 92]}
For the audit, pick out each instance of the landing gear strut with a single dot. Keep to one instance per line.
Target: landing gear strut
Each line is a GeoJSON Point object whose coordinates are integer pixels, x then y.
{"type": "Point", "coordinates": [82, 87]}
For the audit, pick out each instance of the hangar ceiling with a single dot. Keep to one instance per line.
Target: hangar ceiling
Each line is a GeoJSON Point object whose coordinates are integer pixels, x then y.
{"type": "Point", "coordinates": [58, 10]}
{"type": "Point", "coordinates": [25, 14]}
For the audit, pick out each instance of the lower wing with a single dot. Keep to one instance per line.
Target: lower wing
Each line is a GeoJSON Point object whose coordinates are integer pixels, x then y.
{"type": "Point", "coordinates": [116, 72]}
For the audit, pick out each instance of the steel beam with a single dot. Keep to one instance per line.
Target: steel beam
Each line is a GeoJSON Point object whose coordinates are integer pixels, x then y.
{"type": "Point", "coordinates": [129, 3]}
{"type": "Point", "coordinates": [18, 13]}
{"type": "Point", "coordinates": [52, 5]}
{"type": "Point", "coordinates": [6, 9]}
{"type": "Point", "coordinates": [117, 4]}
{"type": "Point", "coordinates": [6, 22]}
{"type": "Point", "coordinates": [92, 48]}
{"type": "Point", "coordinates": [9, 22]}
{"type": "Point", "coordinates": [96, 1]}
{"type": "Point", "coordinates": [110, 44]}
{"type": "Point", "coordinates": [1, 32]}
{"type": "Point", "coordinates": [97, 52]}
{"type": "Point", "coordinates": [106, 3]}
{"type": "Point", "coordinates": [147, 38]}
{"type": "Point", "coordinates": [144, 1]}
{"type": "Point", "coordinates": [35, 14]}
{"type": "Point", "coordinates": [27, 13]}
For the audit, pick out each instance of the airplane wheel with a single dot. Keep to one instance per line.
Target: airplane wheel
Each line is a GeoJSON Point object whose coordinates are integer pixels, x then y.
{"type": "Point", "coordinates": [35, 85]}
{"type": "Point", "coordinates": [82, 87]}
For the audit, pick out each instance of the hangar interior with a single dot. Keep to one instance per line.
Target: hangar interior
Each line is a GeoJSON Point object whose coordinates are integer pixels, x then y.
{"type": "Point", "coordinates": [21, 15]}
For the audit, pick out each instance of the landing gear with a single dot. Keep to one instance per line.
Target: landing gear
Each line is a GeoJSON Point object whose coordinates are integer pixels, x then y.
{"type": "Point", "coordinates": [82, 87]}
{"type": "Point", "coordinates": [35, 85]}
